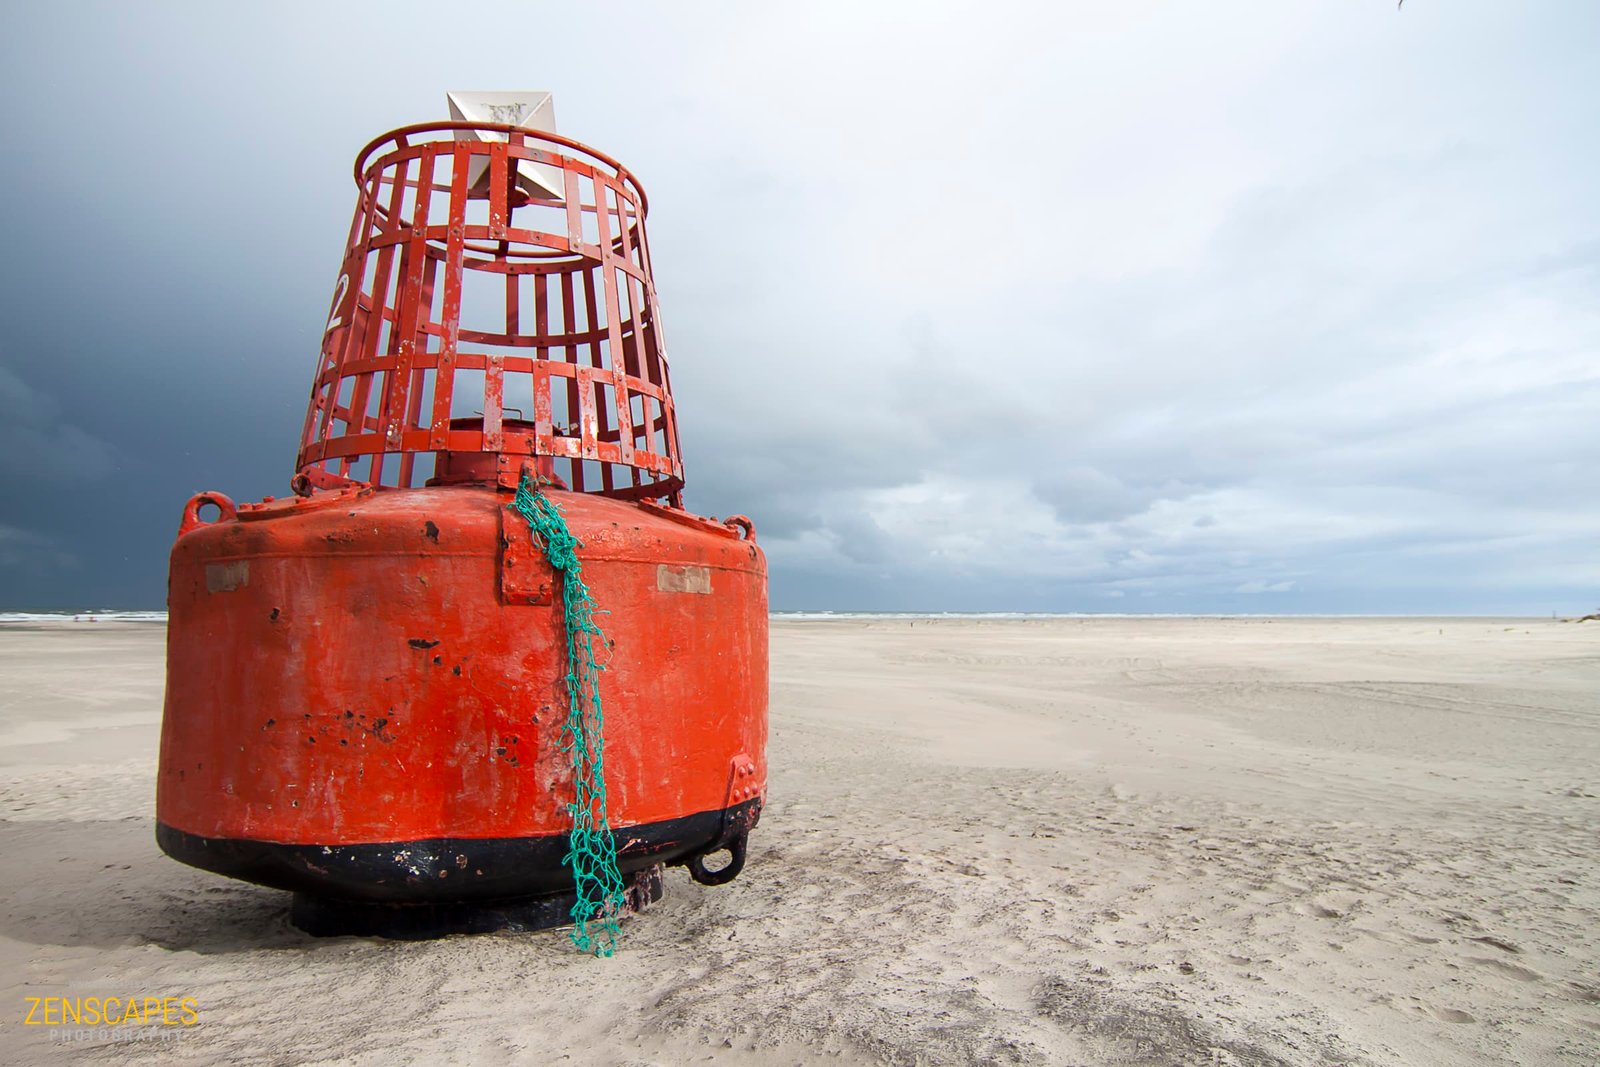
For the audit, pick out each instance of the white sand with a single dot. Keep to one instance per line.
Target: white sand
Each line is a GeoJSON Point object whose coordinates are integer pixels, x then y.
{"type": "Point", "coordinates": [1067, 842]}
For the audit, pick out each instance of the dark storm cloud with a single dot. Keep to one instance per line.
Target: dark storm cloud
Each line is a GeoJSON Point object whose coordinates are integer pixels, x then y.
{"type": "Point", "coordinates": [1237, 307]}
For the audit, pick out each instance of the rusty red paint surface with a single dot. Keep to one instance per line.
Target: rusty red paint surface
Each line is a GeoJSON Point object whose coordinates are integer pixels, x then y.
{"type": "Point", "coordinates": [380, 657]}
{"type": "Point", "coordinates": [368, 680]}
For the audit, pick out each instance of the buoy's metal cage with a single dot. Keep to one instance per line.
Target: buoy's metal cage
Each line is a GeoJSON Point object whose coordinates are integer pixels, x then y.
{"type": "Point", "coordinates": [496, 298]}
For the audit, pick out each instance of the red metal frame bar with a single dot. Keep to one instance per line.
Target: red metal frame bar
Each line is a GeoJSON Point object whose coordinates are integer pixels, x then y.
{"type": "Point", "coordinates": [586, 324]}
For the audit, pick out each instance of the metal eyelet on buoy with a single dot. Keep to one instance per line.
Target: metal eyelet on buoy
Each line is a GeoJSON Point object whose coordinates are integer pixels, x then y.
{"type": "Point", "coordinates": [724, 874]}
{"type": "Point", "coordinates": [227, 511]}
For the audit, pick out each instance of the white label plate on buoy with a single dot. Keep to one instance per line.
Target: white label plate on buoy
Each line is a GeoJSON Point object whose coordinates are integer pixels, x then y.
{"type": "Point", "coordinates": [670, 579]}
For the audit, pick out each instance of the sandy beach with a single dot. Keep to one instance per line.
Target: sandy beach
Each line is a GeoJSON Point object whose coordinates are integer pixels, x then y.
{"type": "Point", "coordinates": [1046, 841]}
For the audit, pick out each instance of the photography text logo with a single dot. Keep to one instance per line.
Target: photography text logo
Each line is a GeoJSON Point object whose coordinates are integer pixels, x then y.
{"type": "Point", "coordinates": [108, 1020]}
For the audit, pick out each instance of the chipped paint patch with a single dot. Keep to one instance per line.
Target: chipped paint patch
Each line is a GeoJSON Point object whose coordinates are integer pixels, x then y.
{"type": "Point", "coordinates": [670, 579]}
{"type": "Point", "coordinates": [226, 577]}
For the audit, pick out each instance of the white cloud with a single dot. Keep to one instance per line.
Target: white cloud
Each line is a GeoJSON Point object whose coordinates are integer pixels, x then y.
{"type": "Point", "coordinates": [1259, 586]}
{"type": "Point", "coordinates": [1181, 302]}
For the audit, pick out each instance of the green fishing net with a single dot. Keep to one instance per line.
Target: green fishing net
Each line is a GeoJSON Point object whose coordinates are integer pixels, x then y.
{"type": "Point", "coordinates": [592, 850]}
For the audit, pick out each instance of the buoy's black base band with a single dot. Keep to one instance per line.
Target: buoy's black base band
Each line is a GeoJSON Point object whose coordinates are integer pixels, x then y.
{"type": "Point", "coordinates": [451, 870]}
{"type": "Point", "coordinates": [328, 917]}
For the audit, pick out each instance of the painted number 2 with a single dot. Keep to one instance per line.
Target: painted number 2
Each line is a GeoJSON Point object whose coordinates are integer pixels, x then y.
{"type": "Point", "coordinates": [334, 318]}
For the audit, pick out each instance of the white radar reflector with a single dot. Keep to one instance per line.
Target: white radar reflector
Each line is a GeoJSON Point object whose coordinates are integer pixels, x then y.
{"type": "Point", "coordinates": [529, 109]}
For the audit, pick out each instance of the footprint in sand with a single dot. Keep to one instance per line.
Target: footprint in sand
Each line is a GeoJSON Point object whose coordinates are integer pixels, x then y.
{"type": "Point", "coordinates": [1589, 994]}
{"type": "Point", "coordinates": [1330, 905]}
{"type": "Point", "coordinates": [1446, 1015]}
{"type": "Point", "coordinates": [1521, 974]}
{"type": "Point", "coordinates": [1502, 945]}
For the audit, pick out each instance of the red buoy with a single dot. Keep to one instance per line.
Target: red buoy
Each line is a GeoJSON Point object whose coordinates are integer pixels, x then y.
{"type": "Point", "coordinates": [366, 681]}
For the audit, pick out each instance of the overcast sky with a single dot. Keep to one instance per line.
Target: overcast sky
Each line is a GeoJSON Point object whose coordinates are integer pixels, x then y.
{"type": "Point", "coordinates": [1116, 306]}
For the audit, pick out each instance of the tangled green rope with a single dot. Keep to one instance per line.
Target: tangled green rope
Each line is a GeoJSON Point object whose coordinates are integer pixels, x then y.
{"type": "Point", "coordinates": [592, 850]}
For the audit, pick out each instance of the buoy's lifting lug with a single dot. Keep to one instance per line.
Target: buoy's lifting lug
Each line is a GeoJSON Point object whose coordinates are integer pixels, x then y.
{"type": "Point", "coordinates": [722, 875]}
